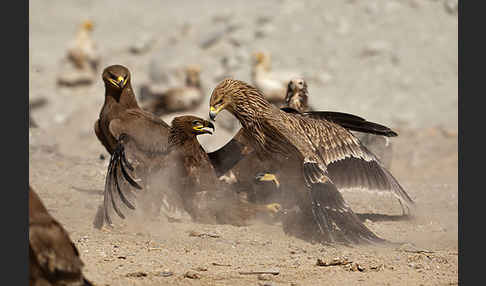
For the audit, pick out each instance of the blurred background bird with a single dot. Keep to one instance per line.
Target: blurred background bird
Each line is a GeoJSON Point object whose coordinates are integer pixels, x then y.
{"type": "Point", "coordinates": [80, 65]}
{"type": "Point", "coordinates": [186, 97]}
{"type": "Point", "coordinates": [273, 83]}
{"type": "Point", "coordinates": [82, 50]}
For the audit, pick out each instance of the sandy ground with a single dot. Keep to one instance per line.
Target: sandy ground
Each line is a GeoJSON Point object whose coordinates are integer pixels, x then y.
{"type": "Point", "coordinates": [393, 62]}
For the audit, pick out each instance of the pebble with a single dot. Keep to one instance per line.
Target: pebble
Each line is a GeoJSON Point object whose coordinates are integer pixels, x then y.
{"type": "Point", "coordinates": [241, 37]}
{"type": "Point", "coordinates": [75, 78]}
{"type": "Point", "coordinates": [264, 31]}
{"type": "Point", "coordinates": [214, 36]}
{"type": "Point", "coordinates": [376, 48]}
{"type": "Point", "coordinates": [165, 273]}
{"type": "Point", "coordinates": [264, 277]}
{"type": "Point", "coordinates": [192, 275]}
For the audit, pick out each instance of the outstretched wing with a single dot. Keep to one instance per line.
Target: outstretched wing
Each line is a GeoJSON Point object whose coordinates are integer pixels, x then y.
{"type": "Point", "coordinates": [351, 122]}
{"type": "Point", "coordinates": [348, 162]}
{"type": "Point", "coordinates": [230, 154]}
{"type": "Point", "coordinates": [142, 140]}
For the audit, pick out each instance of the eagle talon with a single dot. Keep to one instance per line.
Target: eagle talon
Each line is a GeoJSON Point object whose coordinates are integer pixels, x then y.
{"type": "Point", "coordinates": [274, 208]}
{"type": "Point", "coordinates": [262, 177]}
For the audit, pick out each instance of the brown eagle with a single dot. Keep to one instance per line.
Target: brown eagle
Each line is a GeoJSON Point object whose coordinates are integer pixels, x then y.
{"type": "Point", "coordinates": [302, 150]}
{"type": "Point", "coordinates": [250, 172]}
{"type": "Point", "coordinates": [53, 257]}
{"type": "Point", "coordinates": [166, 161]}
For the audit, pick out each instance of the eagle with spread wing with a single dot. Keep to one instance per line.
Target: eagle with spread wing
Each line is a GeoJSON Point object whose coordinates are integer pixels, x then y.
{"type": "Point", "coordinates": [237, 158]}
{"type": "Point", "coordinates": [301, 150]}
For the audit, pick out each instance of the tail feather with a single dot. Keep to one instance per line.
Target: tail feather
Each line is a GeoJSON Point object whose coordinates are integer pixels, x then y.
{"type": "Point", "coordinates": [335, 220]}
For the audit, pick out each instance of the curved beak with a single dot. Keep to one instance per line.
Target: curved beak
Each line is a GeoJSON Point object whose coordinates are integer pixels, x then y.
{"type": "Point", "coordinates": [214, 111]}
{"type": "Point", "coordinates": [209, 128]}
{"type": "Point", "coordinates": [119, 82]}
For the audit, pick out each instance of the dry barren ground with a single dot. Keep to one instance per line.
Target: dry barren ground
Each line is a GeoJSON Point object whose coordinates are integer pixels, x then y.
{"type": "Point", "coordinates": [393, 62]}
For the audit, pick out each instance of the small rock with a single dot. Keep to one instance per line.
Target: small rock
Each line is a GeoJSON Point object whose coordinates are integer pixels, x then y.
{"type": "Point", "coordinates": [192, 275]}
{"type": "Point", "coordinates": [75, 78]}
{"type": "Point", "coordinates": [262, 20]}
{"type": "Point", "coordinates": [102, 157]}
{"type": "Point", "coordinates": [333, 262]}
{"type": "Point", "coordinates": [264, 277]}
{"type": "Point", "coordinates": [241, 37]}
{"type": "Point", "coordinates": [137, 274]}
{"type": "Point", "coordinates": [379, 267]}
{"type": "Point", "coordinates": [264, 31]}
{"type": "Point", "coordinates": [201, 268]}
{"type": "Point", "coordinates": [165, 273]}
{"type": "Point", "coordinates": [212, 37]}
{"type": "Point", "coordinates": [376, 48]}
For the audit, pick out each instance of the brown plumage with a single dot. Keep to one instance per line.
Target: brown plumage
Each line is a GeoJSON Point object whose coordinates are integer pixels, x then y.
{"type": "Point", "coordinates": [167, 162]}
{"type": "Point", "coordinates": [119, 97]}
{"type": "Point", "coordinates": [346, 174]}
{"type": "Point", "coordinates": [179, 98]}
{"type": "Point", "coordinates": [371, 135]}
{"type": "Point", "coordinates": [301, 149]}
{"type": "Point", "coordinates": [53, 257]}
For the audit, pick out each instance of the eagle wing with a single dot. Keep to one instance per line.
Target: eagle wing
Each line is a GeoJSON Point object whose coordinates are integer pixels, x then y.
{"type": "Point", "coordinates": [351, 122]}
{"type": "Point", "coordinates": [349, 163]}
{"type": "Point", "coordinates": [142, 142]}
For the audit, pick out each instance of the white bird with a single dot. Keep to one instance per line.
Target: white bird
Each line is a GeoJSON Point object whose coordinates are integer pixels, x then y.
{"type": "Point", "coordinates": [272, 83]}
{"type": "Point", "coordinates": [82, 50]}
